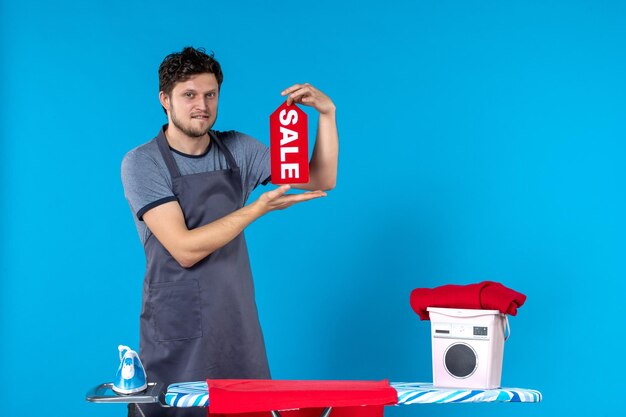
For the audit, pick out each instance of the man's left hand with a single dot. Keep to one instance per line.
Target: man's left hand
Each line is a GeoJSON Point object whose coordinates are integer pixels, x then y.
{"type": "Point", "coordinates": [308, 95]}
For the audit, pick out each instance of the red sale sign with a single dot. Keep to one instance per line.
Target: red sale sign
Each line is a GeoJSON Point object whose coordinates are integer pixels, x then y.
{"type": "Point", "coordinates": [289, 145]}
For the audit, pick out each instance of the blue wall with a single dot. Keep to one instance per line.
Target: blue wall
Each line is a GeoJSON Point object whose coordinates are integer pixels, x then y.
{"type": "Point", "coordinates": [479, 140]}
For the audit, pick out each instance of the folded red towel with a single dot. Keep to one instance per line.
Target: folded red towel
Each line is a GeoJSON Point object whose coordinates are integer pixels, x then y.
{"type": "Point", "coordinates": [485, 296]}
{"type": "Point", "coordinates": [360, 411]}
{"type": "Point", "coordinates": [257, 395]}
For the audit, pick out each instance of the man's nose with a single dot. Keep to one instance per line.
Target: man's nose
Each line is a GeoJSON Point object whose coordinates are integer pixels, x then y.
{"type": "Point", "coordinates": [202, 103]}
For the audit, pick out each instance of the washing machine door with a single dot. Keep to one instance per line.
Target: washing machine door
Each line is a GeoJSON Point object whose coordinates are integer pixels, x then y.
{"type": "Point", "coordinates": [460, 360]}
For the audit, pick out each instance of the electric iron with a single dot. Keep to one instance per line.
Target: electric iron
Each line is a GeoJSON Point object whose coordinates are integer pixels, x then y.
{"type": "Point", "coordinates": [130, 377]}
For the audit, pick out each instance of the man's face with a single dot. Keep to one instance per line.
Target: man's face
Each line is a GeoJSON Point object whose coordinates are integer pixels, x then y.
{"type": "Point", "coordinates": [192, 106]}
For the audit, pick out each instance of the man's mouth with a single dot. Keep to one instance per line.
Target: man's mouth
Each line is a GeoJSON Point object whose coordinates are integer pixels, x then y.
{"type": "Point", "coordinates": [200, 116]}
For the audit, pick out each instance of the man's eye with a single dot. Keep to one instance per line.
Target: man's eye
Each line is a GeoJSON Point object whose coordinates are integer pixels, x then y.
{"type": "Point", "coordinates": [211, 95]}
{"type": "Point", "coordinates": [188, 94]}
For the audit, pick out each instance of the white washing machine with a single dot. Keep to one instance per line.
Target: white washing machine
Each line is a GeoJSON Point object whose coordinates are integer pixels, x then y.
{"type": "Point", "coordinates": [467, 347]}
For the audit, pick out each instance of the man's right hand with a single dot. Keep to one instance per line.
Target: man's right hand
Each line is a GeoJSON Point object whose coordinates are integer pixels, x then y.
{"type": "Point", "coordinates": [278, 200]}
{"type": "Point", "coordinates": [188, 247]}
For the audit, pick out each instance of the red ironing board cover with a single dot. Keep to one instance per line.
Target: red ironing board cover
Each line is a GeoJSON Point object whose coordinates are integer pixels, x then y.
{"type": "Point", "coordinates": [486, 295]}
{"type": "Point", "coordinates": [257, 395]}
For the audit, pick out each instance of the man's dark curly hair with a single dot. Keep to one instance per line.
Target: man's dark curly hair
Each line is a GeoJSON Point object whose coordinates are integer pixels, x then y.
{"type": "Point", "coordinates": [180, 66]}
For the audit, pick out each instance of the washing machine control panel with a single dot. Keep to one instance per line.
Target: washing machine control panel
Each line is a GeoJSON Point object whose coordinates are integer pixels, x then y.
{"type": "Point", "coordinates": [460, 331]}
{"type": "Point", "coordinates": [480, 331]}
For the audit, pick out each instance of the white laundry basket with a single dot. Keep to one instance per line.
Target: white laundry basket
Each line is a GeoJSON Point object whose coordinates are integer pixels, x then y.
{"type": "Point", "coordinates": [467, 347]}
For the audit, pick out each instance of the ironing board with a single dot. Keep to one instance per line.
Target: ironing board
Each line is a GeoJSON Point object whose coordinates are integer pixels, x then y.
{"type": "Point", "coordinates": [195, 394]}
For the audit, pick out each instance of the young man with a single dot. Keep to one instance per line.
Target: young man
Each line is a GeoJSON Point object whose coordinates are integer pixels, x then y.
{"type": "Point", "coordinates": [188, 189]}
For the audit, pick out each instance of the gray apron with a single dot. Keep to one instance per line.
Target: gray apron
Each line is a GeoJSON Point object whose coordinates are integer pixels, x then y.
{"type": "Point", "coordinates": [200, 322]}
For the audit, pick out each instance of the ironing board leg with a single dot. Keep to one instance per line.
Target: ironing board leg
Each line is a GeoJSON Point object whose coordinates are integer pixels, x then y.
{"type": "Point", "coordinates": [325, 412]}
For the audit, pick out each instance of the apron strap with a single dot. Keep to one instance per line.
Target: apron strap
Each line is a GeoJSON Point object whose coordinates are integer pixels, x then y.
{"type": "Point", "coordinates": [229, 156]}
{"type": "Point", "coordinates": [164, 147]}
{"type": "Point", "coordinates": [172, 167]}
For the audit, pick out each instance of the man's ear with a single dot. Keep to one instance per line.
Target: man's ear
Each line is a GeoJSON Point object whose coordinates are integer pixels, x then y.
{"type": "Point", "coordinates": [165, 100]}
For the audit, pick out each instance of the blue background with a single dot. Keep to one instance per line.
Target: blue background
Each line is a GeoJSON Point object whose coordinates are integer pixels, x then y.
{"type": "Point", "coordinates": [480, 140]}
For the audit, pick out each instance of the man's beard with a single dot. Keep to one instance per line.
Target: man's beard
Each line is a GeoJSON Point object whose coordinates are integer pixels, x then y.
{"type": "Point", "coordinates": [189, 130]}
